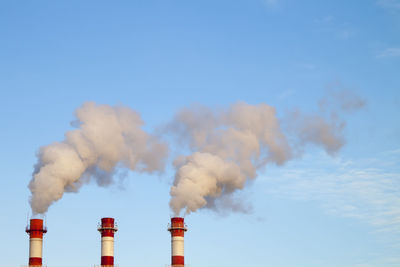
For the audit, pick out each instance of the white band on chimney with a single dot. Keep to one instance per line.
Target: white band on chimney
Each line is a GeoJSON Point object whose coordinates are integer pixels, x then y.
{"type": "Point", "coordinates": [35, 247]}
{"type": "Point", "coordinates": [107, 246]}
{"type": "Point", "coordinates": [177, 246]}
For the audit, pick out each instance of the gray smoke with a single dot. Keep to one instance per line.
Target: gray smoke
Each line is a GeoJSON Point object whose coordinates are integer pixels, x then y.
{"type": "Point", "coordinates": [315, 129]}
{"type": "Point", "coordinates": [339, 98]}
{"type": "Point", "coordinates": [229, 147]}
{"type": "Point", "coordinates": [105, 138]}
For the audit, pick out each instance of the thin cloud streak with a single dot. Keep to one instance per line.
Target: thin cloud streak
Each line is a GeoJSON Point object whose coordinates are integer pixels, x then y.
{"type": "Point", "coordinates": [367, 192]}
{"type": "Point", "coordinates": [391, 4]}
{"type": "Point", "coordinates": [389, 53]}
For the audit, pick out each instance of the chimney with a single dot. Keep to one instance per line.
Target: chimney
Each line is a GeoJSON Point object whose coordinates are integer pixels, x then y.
{"type": "Point", "coordinates": [177, 229]}
{"type": "Point", "coordinates": [35, 230]}
{"type": "Point", "coordinates": [107, 230]}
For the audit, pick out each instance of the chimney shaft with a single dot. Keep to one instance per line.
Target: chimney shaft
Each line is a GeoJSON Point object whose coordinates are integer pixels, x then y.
{"type": "Point", "coordinates": [107, 230]}
{"type": "Point", "coordinates": [177, 229]}
{"type": "Point", "coordinates": [35, 230]}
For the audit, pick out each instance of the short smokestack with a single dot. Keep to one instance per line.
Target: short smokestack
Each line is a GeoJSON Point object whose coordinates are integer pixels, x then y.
{"type": "Point", "coordinates": [107, 228]}
{"type": "Point", "coordinates": [177, 229]}
{"type": "Point", "coordinates": [35, 230]}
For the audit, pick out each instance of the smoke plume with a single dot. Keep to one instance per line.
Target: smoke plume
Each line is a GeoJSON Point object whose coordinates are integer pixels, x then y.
{"type": "Point", "coordinates": [105, 138]}
{"type": "Point", "coordinates": [229, 147]}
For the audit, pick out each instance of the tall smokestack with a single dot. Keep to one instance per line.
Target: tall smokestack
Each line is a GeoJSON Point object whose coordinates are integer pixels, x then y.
{"type": "Point", "coordinates": [107, 230]}
{"type": "Point", "coordinates": [177, 229]}
{"type": "Point", "coordinates": [35, 230]}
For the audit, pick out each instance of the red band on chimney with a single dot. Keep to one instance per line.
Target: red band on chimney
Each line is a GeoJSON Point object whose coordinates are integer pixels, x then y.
{"type": "Point", "coordinates": [36, 229]}
{"type": "Point", "coordinates": [107, 260]}
{"type": "Point", "coordinates": [178, 260]}
{"type": "Point", "coordinates": [178, 233]}
{"type": "Point", "coordinates": [107, 233]}
{"type": "Point", "coordinates": [179, 224]}
{"type": "Point", "coordinates": [108, 227]}
{"type": "Point", "coordinates": [35, 261]}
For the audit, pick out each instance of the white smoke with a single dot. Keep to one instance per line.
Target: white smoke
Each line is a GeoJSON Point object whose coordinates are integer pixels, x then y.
{"type": "Point", "coordinates": [231, 145]}
{"type": "Point", "coordinates": [106, 137]}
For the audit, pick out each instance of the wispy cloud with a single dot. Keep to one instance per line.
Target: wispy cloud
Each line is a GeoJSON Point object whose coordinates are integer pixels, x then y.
{"type": "Point", "coordinates": [391, 4]}
{"type": "Point", "coordinates": [345, 33]}
{"type": "Point", "coordinates": [338, 29]}
{"type": "Point", "coordinates": [367, 190]}
{"type": "Point", "coordinates": [325, 19]}
{"type": "Point", "coordinates": [389, 262]}
{"type": "Point", "coordinates": [286, 94]}
{"type": "Point", "coordinates": [389, 52]}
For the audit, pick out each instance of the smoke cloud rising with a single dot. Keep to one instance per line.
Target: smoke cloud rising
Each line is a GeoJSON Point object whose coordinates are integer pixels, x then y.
{"type": "Point", "coordinates": [229, 147]}
{"type": "Point", "coordinates": [105, 138]}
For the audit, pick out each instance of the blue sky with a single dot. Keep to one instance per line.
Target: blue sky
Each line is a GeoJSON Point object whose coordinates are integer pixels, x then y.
{"type": "Point", "coordinates": [157, 57]}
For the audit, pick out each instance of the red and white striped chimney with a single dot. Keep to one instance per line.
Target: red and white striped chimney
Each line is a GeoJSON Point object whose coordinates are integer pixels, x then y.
{"type": "Point", "coordinates": [177, 229]}
{"type": "Point", "coordinates": [107, 230]}
{"type": "Point", "coordinates": [35, 230]}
